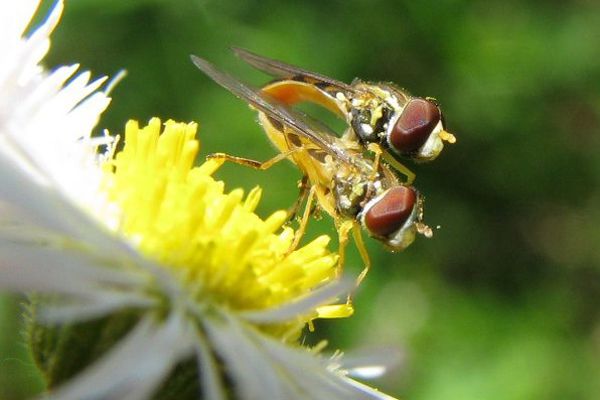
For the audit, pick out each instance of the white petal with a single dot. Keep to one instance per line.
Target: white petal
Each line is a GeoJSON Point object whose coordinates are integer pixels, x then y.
{"type": "Point", "coordinates": [20, 57]}
{"type": "Point", "coordinates": [210, 380]}
{"type": "Point", "coordinates": [136, 366]}
{"type": "Point", "coordinates": [103, 304]}
{"type": "Point", "coordinates": [46, 120]}
{"type": "Point", "coordinates": [20, 188]}
{"type": "Point", "coordinates": [53, 213]}
{"type": "Point", "coordinates": [14, 19]}
{"type": "Point", "coordinates": [325, 382]}
{"type": "Point", "coordinates": [43, 90]}
{"type": "Point", "coordinates": [13, 24]}
{"type": "Point", "coordinates": [323, 295]}
{"type": "Point", "coordinates": [262, 367]}
{"type": "Point", "coordinates": [309, 371]}
{"type": "Point", "coordinates": [254, 376]}
{"type": "Point", "coordinates": [366, 391]}
{"type": "Point", "coordinates": [52, 270]}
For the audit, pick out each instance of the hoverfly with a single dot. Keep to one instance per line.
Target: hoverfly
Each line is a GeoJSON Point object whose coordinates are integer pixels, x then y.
{"type": "Point", "coordinates": [383, 118]}
{"type": "Point", "coordinates": [354, 190]}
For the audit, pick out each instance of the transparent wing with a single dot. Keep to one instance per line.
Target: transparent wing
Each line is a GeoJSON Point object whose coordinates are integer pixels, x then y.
{"type": "Point", "coordinates": [283, 70]}
{"type": "Point", "coordinates": [319, 135]}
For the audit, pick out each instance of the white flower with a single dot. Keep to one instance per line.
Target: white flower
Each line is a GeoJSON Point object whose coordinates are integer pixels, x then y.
{"type": "Point", "coordinates": [145, 231]}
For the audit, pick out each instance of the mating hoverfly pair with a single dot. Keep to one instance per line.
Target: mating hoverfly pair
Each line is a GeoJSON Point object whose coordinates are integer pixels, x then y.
{"type": "Point", "coordinates": [345, 174]}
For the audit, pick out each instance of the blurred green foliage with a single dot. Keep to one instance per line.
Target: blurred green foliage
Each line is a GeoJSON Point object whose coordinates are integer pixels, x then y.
{"type": "Point", "coordinates": [503, 302]}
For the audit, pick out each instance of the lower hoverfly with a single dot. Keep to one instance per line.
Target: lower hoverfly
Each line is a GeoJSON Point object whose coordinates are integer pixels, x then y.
{"type": "Point", "coordinates": [352, 188]}
{"type": "Point", "coordinates": [383, 118]}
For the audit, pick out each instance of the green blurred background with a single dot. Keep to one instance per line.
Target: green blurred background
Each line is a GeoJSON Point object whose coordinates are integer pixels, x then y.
{"type": "Point", "coordinates": [503, 301]}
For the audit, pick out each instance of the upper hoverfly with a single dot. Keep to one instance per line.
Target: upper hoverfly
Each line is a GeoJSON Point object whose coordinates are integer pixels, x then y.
{"type": "Point", "coordinates": [352, 188]}
{"type": "Point", "coordinates": [383, 118]}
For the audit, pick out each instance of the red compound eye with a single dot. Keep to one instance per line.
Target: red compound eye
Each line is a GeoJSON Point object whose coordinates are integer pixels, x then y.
{"type": "Point", "coordinates": [391, 211]}
{"type": "Point", "coordinates": [414, 126]}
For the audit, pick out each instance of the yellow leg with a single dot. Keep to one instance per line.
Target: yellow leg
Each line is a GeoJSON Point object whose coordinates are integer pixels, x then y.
{"type": "Point", "coordinates": [398, 166]}
{"type": "Point", "coordinates": [303, 186]}
{"type": "Point", "coordinates": [253, 163]}
{"type": "Point", "coordinates": [343, 230]}
{"type": "Point", "coordinates": [362, 250]}
{"type": "Point", "coordinates": [304, 222]}
{"type": "Point", "coordinates": [375, 149]}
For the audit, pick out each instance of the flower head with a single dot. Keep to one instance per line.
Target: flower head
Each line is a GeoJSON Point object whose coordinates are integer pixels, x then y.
{"type": "Point", "coordinates": [224, 254]}
{"type": "Point", "coordinates": [142, 232]}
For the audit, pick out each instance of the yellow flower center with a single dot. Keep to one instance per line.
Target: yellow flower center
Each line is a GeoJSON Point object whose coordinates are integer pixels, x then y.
{"type": "Point", "coordinates": [213, 241]}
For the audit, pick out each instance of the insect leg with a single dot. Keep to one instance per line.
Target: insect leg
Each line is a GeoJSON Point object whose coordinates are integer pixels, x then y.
{"type": "Point", "coordinates": [362, 249]}
{"type": "Point", "coordinates": [398, 166]}
{"type": "Point", "coordinates": [343, 230]}
{"type": "Point", "coordinates": [304, 222]}
{"type": "Point", "coordinates": [303, 186]}
{"type": "Point", "coordinates": [375, 149]}
{"type": "Point", "coordinates": [247, 162]}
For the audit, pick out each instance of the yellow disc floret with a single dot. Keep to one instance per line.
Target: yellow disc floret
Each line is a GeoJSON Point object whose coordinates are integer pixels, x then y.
{"type": "Point", "coordinates": [180, 216]}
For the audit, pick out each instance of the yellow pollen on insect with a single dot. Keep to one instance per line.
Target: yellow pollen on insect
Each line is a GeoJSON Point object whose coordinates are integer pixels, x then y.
{"type": "Point", "coordinates": [447, 136]}
{"type": "Point", "coordinates": [181, 217]}
{"type": "Point", "coordinates": [376, 114]}
{"type": "Point", "coordinates": [424, 230]}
